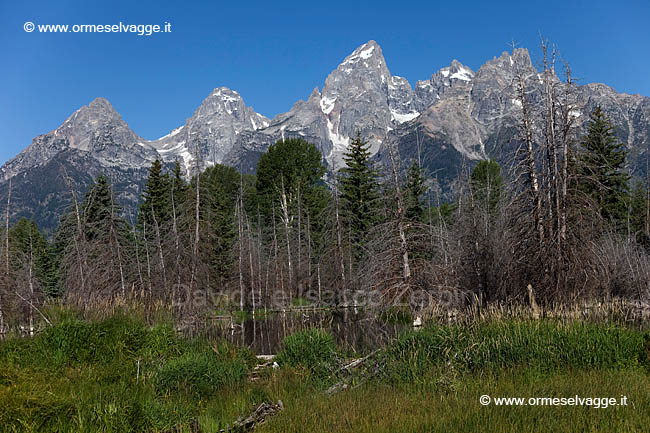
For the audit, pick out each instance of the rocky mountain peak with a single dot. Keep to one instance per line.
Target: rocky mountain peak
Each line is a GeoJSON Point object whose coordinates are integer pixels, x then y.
{"type": "Point", "coordinates": [366, 56]}
{"type": "Point", "coordinates": [214, 128]}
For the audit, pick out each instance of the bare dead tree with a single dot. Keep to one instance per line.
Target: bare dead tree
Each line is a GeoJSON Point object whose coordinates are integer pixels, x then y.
{"type": "Point", "coordinates": [78, 237]}
{"type": "Point", "coordinates": [286, 221]}
{"type": "Point", "coordinates": [400, 216]}
{"type": "Point", "coordinates": [116, 244]}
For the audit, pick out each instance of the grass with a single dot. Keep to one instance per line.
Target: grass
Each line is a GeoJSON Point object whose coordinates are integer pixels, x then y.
{"type": "Point", "coordinates": [112, 375]}
{"type": "Point", "coordinates": [313, 349]}
{"type": "Point", "coordinates": [404, 408]}
{"type": "Point", "coordinates": [120, 375]}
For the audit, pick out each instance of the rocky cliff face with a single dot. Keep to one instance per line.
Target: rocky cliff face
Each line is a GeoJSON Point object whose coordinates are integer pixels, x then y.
{"type": "Point", "coordinates": [456, 115]}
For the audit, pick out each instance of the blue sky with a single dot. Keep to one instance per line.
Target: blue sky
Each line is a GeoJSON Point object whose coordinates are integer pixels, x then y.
{"type": "Point", "coordinates": [274, 53]}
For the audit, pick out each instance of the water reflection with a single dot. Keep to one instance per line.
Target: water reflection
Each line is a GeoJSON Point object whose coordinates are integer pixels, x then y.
{"type": "Point", "coordinates": [354, 331]}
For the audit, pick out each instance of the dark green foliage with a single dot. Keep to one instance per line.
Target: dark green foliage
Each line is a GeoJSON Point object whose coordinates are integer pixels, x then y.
{"type": "Point", "coordinates": [601, 166]}
{"type": "Point", "coordinates": [415, 189]}
{"type": "Point", "coordinates": [155, 207]}
{"type": "Point", "coordinates": [221, 189]}
{"type": "Point", "coordinates": [30, 249]}
{"type": "Point", "coordinates": [295, 166]}
{"type": "Point", "coordinates": [99, 210]}
{"type": "Point", "coordinates": [313, 349]}
{"type": "Point", "coordinates": [487, 185]}
{"type": "Point", "coordinates": [443, 214]}
{"type": "Point", "coordinates": [359, 190]}
{"type": "Point", "coordinates": [178, 186]}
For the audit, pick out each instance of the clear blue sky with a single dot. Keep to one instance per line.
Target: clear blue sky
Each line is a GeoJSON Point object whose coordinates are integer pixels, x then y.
{"type": "Point", "coordinates": [274, 53]}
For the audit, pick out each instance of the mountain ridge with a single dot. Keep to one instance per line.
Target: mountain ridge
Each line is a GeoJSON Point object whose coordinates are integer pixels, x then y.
{"type": "Point", "coordinates": [456, 114]}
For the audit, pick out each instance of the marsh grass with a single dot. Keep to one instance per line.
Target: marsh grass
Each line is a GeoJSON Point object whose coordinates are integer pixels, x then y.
{"type": "Point", "coordinates": [115, 374]}
{"type": "Point", "coordinates": [118, 374]}
{"type": "Point", "coordinates": [312, 349]}
{"type": "Point", "coordinates": [496, 345]}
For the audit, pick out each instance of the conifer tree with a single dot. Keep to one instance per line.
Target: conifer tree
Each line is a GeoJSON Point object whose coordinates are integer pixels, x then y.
{"type": "Point", "coordinates": [154, 209]}
{"type": "Point", "coordinates": [601, 165]}
{"type": "Point", "coordinates": [359, 190]}
{"type": "Point", "coordinates": [99, 209]}
{"type": "Point", "coordinates": [31, 249]}
{"type": "Point", "coordinates": [415, 189]}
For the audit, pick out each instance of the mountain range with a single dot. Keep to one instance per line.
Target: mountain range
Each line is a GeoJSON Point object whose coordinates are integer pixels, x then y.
{"type": "Point", "coordinates": [455, 115]}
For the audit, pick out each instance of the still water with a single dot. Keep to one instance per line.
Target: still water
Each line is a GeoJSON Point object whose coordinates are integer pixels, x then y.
{"type": "Point", "coordinates": [354, 331]}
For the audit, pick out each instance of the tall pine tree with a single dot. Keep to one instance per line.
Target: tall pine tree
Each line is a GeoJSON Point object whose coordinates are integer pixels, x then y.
{"type": "Point", "coordinates": [415, 189]}
{"type": "Point", "coordinates": [155, 207]}
{"type": "Point", "coordinates": [600, 164]}
{"type": "Point", "coordinates": [359, 190]}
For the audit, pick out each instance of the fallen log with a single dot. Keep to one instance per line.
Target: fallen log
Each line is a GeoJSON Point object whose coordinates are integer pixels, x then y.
{"type": "Point", "coordinates": [258, 416]}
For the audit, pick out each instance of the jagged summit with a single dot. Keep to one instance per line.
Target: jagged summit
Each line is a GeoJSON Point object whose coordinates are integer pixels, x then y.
{"type": "Point", "coordinates": [213, 129]}
{"type": "Point", "coordinates": [456, 113]}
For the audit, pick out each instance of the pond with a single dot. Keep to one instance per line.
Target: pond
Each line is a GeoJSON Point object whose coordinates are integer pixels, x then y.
{"type": "Point", "coordinates": [353, 329]}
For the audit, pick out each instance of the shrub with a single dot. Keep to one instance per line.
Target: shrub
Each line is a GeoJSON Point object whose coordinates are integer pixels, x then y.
{"type": "Point", "coordinates": [313, 349]}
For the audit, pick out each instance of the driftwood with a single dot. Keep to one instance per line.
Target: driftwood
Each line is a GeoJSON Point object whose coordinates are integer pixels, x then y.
{"type": "Point", "coordinates": [346, 382]}
{"type": "Point", "coordinates": [268, 362]}
{"type": "Point", "coordinates": [258, 416]}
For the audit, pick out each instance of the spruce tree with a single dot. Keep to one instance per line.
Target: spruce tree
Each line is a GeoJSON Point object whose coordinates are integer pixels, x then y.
{"type": "Point", "coordinates": [98, 208]}
{"type": "Point", "coordinates": [31, 249]}
{"type": "Point", "coordinates": [601, 163]}
{"type": "Point", "coordinates": [359, 190]}
{"type": "Point", "coordinates": [415, 189]}
{"type": "Point", "coordinates": [155, 206]}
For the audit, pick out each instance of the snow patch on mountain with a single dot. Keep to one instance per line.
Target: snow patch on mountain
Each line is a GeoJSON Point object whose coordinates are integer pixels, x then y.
{"type": "Point", "coordinates": [403, 117]}
{"type": "Point", "coordinates": [462, 74]}
{"type": "Point", "coordinates": [327, 104]}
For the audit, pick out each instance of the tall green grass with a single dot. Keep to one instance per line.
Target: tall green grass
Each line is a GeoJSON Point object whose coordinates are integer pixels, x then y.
{"type": "Point", "coordinates": [114, 375]}
{"type": "Point", "coordinates": [493, 346]}
{"type": "Point", "coordinates": [121, 375]}
{"type": "Point", "coordinates": [312, 349]}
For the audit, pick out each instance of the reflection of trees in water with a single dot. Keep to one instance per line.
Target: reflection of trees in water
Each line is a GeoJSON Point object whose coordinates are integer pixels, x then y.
{"type": "Point", "coordinates": [354, 332]}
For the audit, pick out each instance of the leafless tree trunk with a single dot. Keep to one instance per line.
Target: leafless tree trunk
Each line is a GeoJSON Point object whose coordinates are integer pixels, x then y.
{"type": "Point", "coordinates": [161, 256]}
{"type": "Point", "coordinates": [529, 142]}
{"type": "Point", "coordinates": [146, 251]}
{"type": "Point", "coordinates": [31, 283]}
{"type": "Point", "coordinates": [250, 261]}
{"type": "Point", "coordinates": [79, 236]}
{"type": "Point", "coordinates": [240, 248]}
{"type": "Point", "coordinates": [299, 237]}
{"type": "Point", "coordinates": [284, 205]}
{"type": "Point", "coordinates": [197, 215]}
{"type": "Point", "coordinates": [406, 268]}
{"type": "Point", "coordinates": [176, 240]}
{"type": "Point", "coordinates": [2, 318]}
{"type": "Point", "coordinates": [137, 256]}
{"type": "Point", "coordinates": [115, 237]}
{"type": "Point", "coordinates": [7, 230]}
